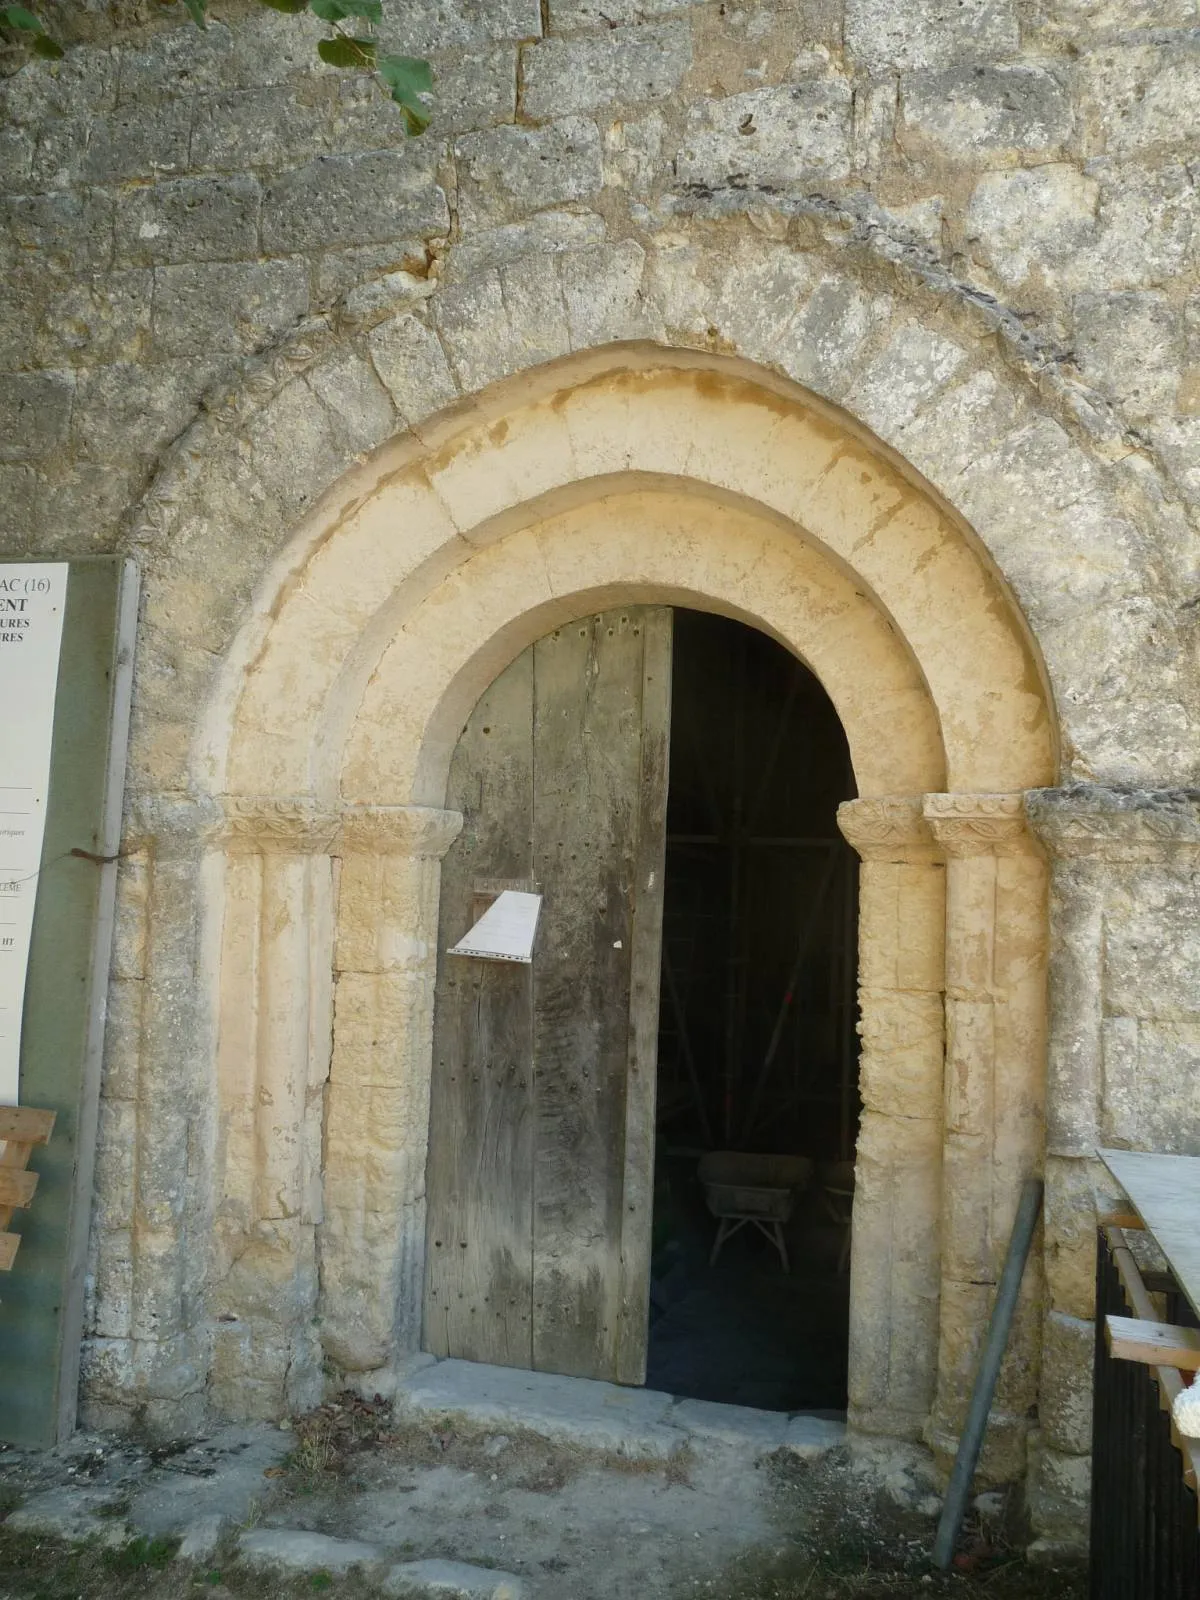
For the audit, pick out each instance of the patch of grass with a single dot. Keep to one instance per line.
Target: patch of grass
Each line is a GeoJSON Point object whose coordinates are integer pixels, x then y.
{"type": "Point", "coordinates": [140, 1553]}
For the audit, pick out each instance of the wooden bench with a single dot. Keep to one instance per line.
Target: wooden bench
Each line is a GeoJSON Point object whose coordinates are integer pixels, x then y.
{"type": "Point", "coordinates": [21, 1127]}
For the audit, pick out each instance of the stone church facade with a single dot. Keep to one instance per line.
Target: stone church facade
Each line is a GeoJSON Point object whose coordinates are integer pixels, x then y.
{"type": "Point", "coordinates": [874, 326]}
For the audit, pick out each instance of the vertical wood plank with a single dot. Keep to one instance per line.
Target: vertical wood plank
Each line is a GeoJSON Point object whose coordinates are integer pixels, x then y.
{"type": "Point", "coordinates": [587, 770]}
{"type": "Point", "coordinates": [479, 1179]}
{"type": "Point", "coordinates": [645, 971]}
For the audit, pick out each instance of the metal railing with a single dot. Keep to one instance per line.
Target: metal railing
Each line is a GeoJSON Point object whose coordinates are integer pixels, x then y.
{"type": "Point", "coordinates": [1145, 1519]}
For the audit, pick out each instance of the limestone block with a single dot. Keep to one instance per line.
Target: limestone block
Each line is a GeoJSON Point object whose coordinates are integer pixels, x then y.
{"type": "Point", "coordinates": [570, 16]}
{"type": "Point", "coordinates": [132, 141]}
{"type": "Point", "coordinates": [35, 410]}
{"type": "Point", "coordinates": [230, 307]}
{"type": "Point", "coordinates": [507, 172]}
{"type": "Point", "coordinates": [387, 914]}
{"type": "Point", "coordinates": [902, 926]}
{"type": "Point", "coordinates": [84, 80]}
{"type": "Point", "coordinates": [487, 336]}
{"type": "Point", "coordinates": [621, 65]}
{"type": "Point", "coordinates": [602, 294]}
{"type": "Point", "coordinates": [914, 365]}
{"type": "Point", "coordinates": [122, 1037]}
{"type": "Point", "coordinates": [104, 318]}
{"type": "Point", "coordinates": [1065, 1402]}
{"type": "Point", "coordinates": [236, 129]}
{"type": "Point", "coordinates": [294, 1550]}
{"type": "Point", "coordinates": [359, 403]}
{"type": "Point", "coordinates": [928, 33]}
{"type": "Point", "coordinates": [983, 112]}
{"type": "Point", "coordinates": [69, 229]}
{"type": "Point", "coordinates": [1177, 440]}
{"type": "Point", "coordinates": [547, 233]}
{"type": "Point", "coordinates": [1139, 97]}
{"type": "Point", "coordinates": [116, 1157]}
{"type": "Point", "coordinates": [901, 1066]}
{"type": "Point", "coordinates": [189, 219]}
{"type": "Point", "coordinates": [355, 200]}
{"type": "Point", "coordinates": [1131, 346]}
{"type": "Point", "coordinates": [1077, 1190]}
{"type": "Point", "coordinates": [1060, 1487]}
{"type": "Point", "coordinates": [1146, 226]}
{"type": "Point", "coordinates": [132, 406]}
{"type": "Point", "coordinates": [1152, 943]}
{"type": "Point", "coordinates": [294, 447]}
{"type": "Point", "coordinates": [791, 134]}
{"type": "Point", "coordinates": [412, 364]}
{"type": "Point", "coordinates": [16, 154]}
{"type": "Point", "coordinates": [1039, 218]}
{"type": "Point", "coordinates": [112, 1287]}
{"type": "Point", "coordinates": [431, 25]}
{"type": "Point", "coordinates": [1151, 1072]}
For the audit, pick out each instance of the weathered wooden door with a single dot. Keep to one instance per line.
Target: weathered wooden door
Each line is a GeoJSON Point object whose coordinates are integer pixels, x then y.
{"type": "Point", "coordinates": [540, 1178]}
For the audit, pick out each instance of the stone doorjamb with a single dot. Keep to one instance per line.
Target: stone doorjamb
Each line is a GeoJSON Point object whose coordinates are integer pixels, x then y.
{"type": "Point", "coordinates": [324, 1039]}
{"type": "Point", "coordinates": [952, 942]}
{"type": "Point", "coordinates": [325, 1055]}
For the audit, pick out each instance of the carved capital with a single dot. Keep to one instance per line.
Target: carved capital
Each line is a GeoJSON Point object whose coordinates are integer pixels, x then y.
{"type": "Point", "coordinates": [422, 832]}
{"type": "Point", "coordinates": [277, 825]}
{"type": "Point", "coordinates": [978, 824]}
{"type": "Point", "coordinates": [888, 828]}
{"type": "Point", "coordinates": [1115, 824]}
{"type": "Point", "coordinates": [170, 824]}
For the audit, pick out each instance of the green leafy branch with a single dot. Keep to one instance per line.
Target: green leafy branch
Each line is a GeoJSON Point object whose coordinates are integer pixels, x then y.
{"type": "Point", "coordinates": [29, 27]}
{"type": "Point", "coordinates": [407, 79]}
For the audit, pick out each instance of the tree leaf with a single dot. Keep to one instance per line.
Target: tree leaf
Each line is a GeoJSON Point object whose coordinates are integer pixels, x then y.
{"type": "Point", "coordinates": [291, 7]}
{"type": "Point", "coordinates": [328, 10]}
{"type": "Point", "coordinates": [43, 45]}
{"type": "Point", "coordinates": [343, 52]}
{"type": "Point", "coordinates": [408, 78]}
{"type": "Point", "coordinates": [19, 17]}
{"type": "Point", "coordinates": [371, 10]}
{"type": "Point", "coordinates": [195, 10]}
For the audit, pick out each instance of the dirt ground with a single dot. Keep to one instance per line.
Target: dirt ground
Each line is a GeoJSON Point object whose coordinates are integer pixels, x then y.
{"type": "Point", "coordinates": [575, 1525]}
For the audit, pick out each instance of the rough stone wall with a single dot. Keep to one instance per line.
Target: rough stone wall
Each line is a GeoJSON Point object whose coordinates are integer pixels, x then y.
{"type": "Point", "coordinates": [963, 221]}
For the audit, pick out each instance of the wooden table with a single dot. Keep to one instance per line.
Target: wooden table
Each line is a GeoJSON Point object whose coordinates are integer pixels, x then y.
{"type": "Point", "coordinates": [1165, 1193]}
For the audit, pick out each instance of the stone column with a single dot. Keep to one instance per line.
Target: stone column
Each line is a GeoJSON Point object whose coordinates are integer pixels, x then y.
{"type": "Point", "coordinates": [1124, 1034]}
{"type": "Point", "coordinates": [149, 1349]}
{"type": "Point", "coordinates": [377, 1120]}
{"type": "Point", "coordinates": [994, 1102]}
{"type": "Point", "coordinates": [272, 1065]}
{"type": "Point", "coordinates": [895, 1270]}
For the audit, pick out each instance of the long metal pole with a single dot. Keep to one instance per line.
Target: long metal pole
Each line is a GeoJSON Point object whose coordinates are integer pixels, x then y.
{"type": "Point", "coordinates": [971, 1443]}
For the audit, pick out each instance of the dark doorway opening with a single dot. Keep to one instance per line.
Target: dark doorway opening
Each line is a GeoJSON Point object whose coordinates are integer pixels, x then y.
{"type": "Point", "coordinates": [758, 1053]}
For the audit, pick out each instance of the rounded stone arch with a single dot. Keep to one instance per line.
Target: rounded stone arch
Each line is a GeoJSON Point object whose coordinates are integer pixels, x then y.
{"type": "Point", "coordinates": [643, 475]}
{"type": "Point", "coordinates": [494, 496]}
{"type": "Point", "coordinates": [232, 842]}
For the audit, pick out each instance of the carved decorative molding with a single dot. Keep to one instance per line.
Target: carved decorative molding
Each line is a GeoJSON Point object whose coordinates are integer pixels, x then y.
{"type": "Point", "coordinates": [1115, 824]}
{"type": "Point", "coordinates": [288, 825]}
{"type": "Point", "coordinates": [978, 824]}
{"type": "Point", "coordinates": [889, 828]}
{"type": "Point", "coordinates": [416, 831]}
{"type": "Point", "coordinates": [170, 824]}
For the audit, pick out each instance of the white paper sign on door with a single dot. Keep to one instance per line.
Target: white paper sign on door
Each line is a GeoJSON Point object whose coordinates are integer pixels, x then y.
{"type": "Point", "coordinates": [32, 602]}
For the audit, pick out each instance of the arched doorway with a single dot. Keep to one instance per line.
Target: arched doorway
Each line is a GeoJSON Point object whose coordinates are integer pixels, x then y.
{"type": "Point", "coordinates": [558, 1107]}
{"type": "Point", "coordinates": [643, 478]}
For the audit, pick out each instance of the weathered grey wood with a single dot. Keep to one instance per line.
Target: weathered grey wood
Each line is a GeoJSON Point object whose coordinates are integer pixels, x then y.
{"type": "Point", "coordinates": [1165, 1193]}
{"type": "Point", "coordinates": [540, 1173]}
{"type": "Point", "coordinates": [645, 957]}
{"type": "Point", "coordinates": [479, 1181]}
{"type": "Point", "coordinates": [587, 759]}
